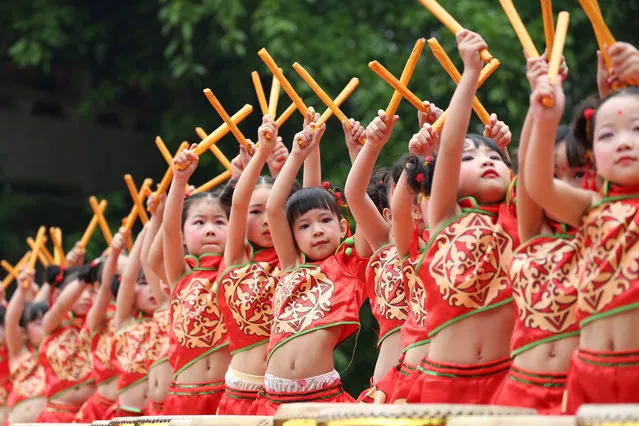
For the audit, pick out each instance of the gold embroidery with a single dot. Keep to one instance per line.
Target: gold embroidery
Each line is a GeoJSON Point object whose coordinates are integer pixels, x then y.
{"type": "Point", "coordinates": [27, 375]}
{"type": "Point", "coordinates": [132, 346]}
{"type": "Point", "coordinates": [611, 255]}
{"type": "Point", "coordinates": [389, 284]}
{"type": "Point", "coordinates": [248, 292]}
{"type": "Point", "coordinates": [68, 353]}
{"type": "Point", "coordinates": [104, 344]}
{"type": "Point", "coordinates": [416, 292]}
{"type": "Point", "coordinates": [197, 320]}
{"type": "Point", "coordinates": [543, 287]}
{"type": "Point", "coordinates": [160, 345]}
{"type": "Point", "coordinates": [470, 263]}
{"type": "Point", "coordinates": [302, 297]}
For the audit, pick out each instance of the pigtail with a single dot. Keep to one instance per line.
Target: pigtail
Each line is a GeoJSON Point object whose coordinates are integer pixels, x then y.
{"type": "Point", "coordinates": [420, 172]}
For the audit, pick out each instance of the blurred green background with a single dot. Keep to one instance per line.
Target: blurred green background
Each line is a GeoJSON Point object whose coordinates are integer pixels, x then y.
{"type": "Point", "coordinates": [156, 56]}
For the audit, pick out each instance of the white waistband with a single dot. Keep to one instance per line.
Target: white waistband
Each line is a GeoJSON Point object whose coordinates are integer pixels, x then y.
{"type": "Point", "coordinates": [278, 384]}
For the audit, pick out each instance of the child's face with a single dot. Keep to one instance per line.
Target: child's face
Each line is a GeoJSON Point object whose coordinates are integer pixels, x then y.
{"type": "Point", "coordinates": [205, 228]}
{"type": "Point", "coordinates": [318, 233]}
{"type": "Point", "coordinates": [82, 306]}
{"type": "Point", "coordinates": [34, 332]}
{"type": "Point", "coordinates": [257, 230]}
{"type": "Point", "coordinates": [483, 175]}
{"type": "Point", "coordinates": [144, 299]}
{"type": "Point", "coordinates": [616, 140]}
{"type": "Point", "coordinates": [573, 176]}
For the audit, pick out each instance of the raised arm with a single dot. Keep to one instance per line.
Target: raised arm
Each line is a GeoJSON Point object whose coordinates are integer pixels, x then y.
{"type": "Point", "coordinates": [172, 221]}
{"type": "Point", "coordinates": [370, 222]}
{"type": "Point", "coordinates": [402, 218]}
{"type": "Point", "coordinates": [443, 202]}
{"type": "Point", "coordinates": [312, 175]}
{"type": "Point", "coordinates": [126, 293]}
{"type": "Point", "coordinates": [63, 304]}
{"type": "Point", "coordinates": [13, 332]}
{"type": "Point", "coordinates": [234, 252]}
{"type": "Point", "coordinates": [281, 233]}
{"type": "Point", "coordinates": [561, 201]}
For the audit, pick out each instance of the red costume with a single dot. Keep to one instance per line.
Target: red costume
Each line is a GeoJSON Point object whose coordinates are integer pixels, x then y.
{"type": "Point", "coordinates": [541, 273]}
{"type": "Point", "coordinates": [159, 352]}
{"type": "Point", "coordinates": [465, 271]}
{"type": "Point", "coordinates": [66, 358]}
{"type": "Point", "coordinates": [311, 297]}
{"type": "Point", "coordinates": [245, 297]}
{"type": "Point", "coordinates": [608, 284]}
{"type": "Point", "coordinates": [27, 377]}
{"type": "Point", "coordinates": [197, 330]}
{"type": "Point", "coordinates": [5, 382]}
{"type": "Point", "coordinates": [96, 407]}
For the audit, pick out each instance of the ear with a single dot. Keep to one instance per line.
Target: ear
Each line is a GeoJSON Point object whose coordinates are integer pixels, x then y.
{"type": "Point", "coordinates": [343, 227]}
{"type": "Point", "coordinates": [387, 214]}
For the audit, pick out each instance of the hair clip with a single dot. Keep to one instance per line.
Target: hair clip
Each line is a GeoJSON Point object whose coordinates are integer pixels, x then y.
{"type": "Point", "coordinates": [589, 113]}
{"type": "Point", "coordinates": [428, 160]}
{"type": "Point", "coordinates": [95, 263]}
{"type": "Point", "coordinates": [381, 182]}
{"type": "Point", "coordinates": [419, 178]}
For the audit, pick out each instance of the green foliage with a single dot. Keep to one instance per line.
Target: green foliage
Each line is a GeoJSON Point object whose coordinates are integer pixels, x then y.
{"type": "Point", "coordinates": [166, 51]}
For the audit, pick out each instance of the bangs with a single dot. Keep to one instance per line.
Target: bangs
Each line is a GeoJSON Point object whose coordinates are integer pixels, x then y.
{"type": "Point", "coordinates": [479, 140]}
{"type": "Point", "coordinates": [308, 199]}
{"type": "Point", "coordinates": [34, 312]}
{"type": "Point", "coordinates": [575, 152]}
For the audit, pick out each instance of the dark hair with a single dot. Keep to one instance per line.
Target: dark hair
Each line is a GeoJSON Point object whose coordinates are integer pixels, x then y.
{"type": "Point", "coordinates": [420, 173]}
{"type": "Point", "coordinates": [91, 272]}
{"type": "Point", "coordinates": [193, 199]}
{"type": "Point", "coordinates": [307, 199]}
{"type": "Point", "coordinates": [378, 186]}
{"type": "Point", "coordinates": [581, 127]}
{"type": "Point", "coordinates": [585, 128]}
{"type": "Point", "coordinates": [398, 168]}
{"type": "Point", "coordinates": [59, 276]}
{"type": "Point", "coordinates": [479, 140]}
{"type": "Point", "coordinates": [33, 312]}
{"type": "Point", "coordinates": [226, 195]}
{"type": "Point", "coordinates": [575, 152]}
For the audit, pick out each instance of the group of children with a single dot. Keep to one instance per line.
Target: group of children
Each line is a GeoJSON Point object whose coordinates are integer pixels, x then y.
{"type": "Point", "coordinates": [488, 288]}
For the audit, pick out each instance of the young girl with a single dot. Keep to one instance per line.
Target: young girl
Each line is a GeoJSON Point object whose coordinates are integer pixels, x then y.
{"type": "Point", "coordinates": [464, 267]}
{"type": "Point", "coordinates": [605, 367]}
{"type": "Point", "coordinates": [317, 300]}
{"type": "Point", "coordinates": [546, 330]}
{"type": "Point", "coordinates": [133, 336]}
{"type": "Point", "coordinates": [368, 193]}
{"type": "Point", "coordinates": [245, 288]}
{"type": "Point", "coordinates": [159, 368]}
{"type": "Point", "coordinates": [198, 341]}
{"type": "Point", "coordinates": [100, 326]}
{"type": "Point", "coordinates": [65, 351]}
{"type": "Point", "coordinates": [24, 335]}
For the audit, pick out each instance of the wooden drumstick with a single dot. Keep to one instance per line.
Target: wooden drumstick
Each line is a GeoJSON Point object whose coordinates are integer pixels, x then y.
{"type": "Point", "coordinates": [404, 79]}
{"type": "Point", "coordinates": [549, 25]}
{"type": "Point", "coordinates": [339, 100]}
{"type": "Point", "coordinates": [449, 22]}
{"type": "Point", "coordinates": [135, 196]}
{"type": "Point", "coordinates": [44, 256]}
{"type": "Point", "coordinates": [454, 74]}
{"type": "Point", "coordinates": [163, 150]}
{"type": "Point", "coordinates": [39, 242]}
{"type": "Point", "coordinates": [227, 119]}
{"type": "Point", "coordinates": [277, 73]}
{"type": "Point", "coordinates": [145, 191]}
{"type": "Point", "coordinates": [389, 78]}
{"type": "Point", "coordinates": [92, 225]}
{"type": "Point", "coordinates": [286, 115]}
{"type": "Point", "coordinates": [215, 150]}
{"type": "Point", "coordinates": [323, 96]}
{"type": "Point", "coordinates": [558, 48]}
{"type": "Point", "coordinates": [102, 223]}
{"type": "Point", "coordinates": [213, 182]}
{"type": "Point", "coordinates": [13, 272]}
{"type": "Point", "coordinates": [520, 29]}
{"type": "Point", "coordinates": [274, 98]}
{"type": "Point", "coordinates": [59, 257]}
{"type": "Point", "coordinates": [259, 90]}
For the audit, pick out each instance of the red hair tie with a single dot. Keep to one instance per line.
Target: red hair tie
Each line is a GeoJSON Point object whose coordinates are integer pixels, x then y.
{"type": "Point", "coordinates": [420, 177]}
{"type": "Point", "coordinates": [589, 113]}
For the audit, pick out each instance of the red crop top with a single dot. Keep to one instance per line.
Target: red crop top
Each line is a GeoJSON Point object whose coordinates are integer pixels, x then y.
{"type": "Point", "coordinates": [414, 332]}
{"type": "Point", "coordinates": [27, 376]}
{"type": "Point", "coordinates": [542, 274]}
{"type": "Point", "coordinates": [465, 264]}
{"type": "Point", "coordinates": [386, 291]}
{"type": "Point", "coordinates": [66, 357]}
{"type": "Point", "coordinates": [101, 347]}
{"type": "Point", "coordinates": [608, 278]}
{"type": "Point", "coordinates": [245, 297]}
{"type": "Point", "coordinates": [132, 345]}
{"type": "Point", "coordinates": [314, 296]}
{"type": "Point", "coordinates": [160, 349]}
{"type": "Point", "coordinates": [197, 329]}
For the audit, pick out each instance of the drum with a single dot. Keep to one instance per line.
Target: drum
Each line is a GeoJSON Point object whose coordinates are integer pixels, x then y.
{"type": "Point", "coordinates": [223, 421]}
{"type": "Point", "coordinates": [301, 413]}
{"type": "Point", "coordinates": [608, 415]}
{"type": "Point", "coordinates": [512, 420]}
{"type": "Point", "coordinates": [410, 414]}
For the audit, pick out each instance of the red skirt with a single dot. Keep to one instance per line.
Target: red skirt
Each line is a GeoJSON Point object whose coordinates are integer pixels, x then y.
{"type": "Point", "coordinates": [58, 413]}
{"type": "Point", "coordinates": [236, 402]}
{"type": "Point", "coordinates": [404, 383]}
{"type": "Point", "coordinates": [268, 402]}
{"type": "Point", "coordinates": [118, 410]}
{"type": "Point", "coordinates": [447, 383]}
{"type": "Point", "coordinates": [155, 408]}
{"type": "Point", "coordinates": [95, 408]}
{"type": "Point", "coordinates": [542, 391]}
{"type": "Point", "coordinates": [602, 378]}
{"type": "Point", "coordinates": [383, 391]}
{"type": "Point", "coordinates": [193, 399]}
